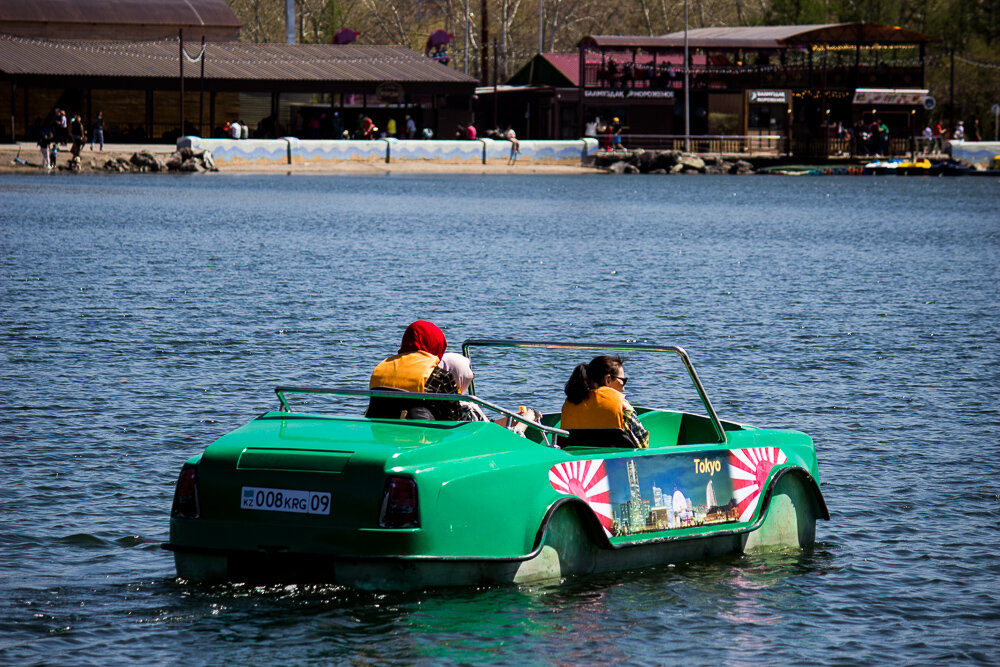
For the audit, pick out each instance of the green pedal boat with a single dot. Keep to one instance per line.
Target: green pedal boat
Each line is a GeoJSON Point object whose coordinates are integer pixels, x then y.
{"type": "Point", "coordinates": [395, 504]}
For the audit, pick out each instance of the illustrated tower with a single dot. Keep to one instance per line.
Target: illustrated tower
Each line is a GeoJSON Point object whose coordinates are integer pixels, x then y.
{"type": "Point", "coordinates": [636, 517]}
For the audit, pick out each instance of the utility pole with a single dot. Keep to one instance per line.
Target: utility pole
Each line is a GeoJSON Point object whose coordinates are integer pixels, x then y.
{"type": "Point", "coordinates": [484, 40]}
{"type": "Point", "coordinates": [951, 93]}
{"type": "Point", "coordinates": [687, 86]}
{"type": "Point", "coordinates": [180, 41]}
{"type": "Point", "coordinates": [201, 92]}
{"type": "Point", "coordinates": [465, 55]}
{"type": "Point", "coordinates": [541, 26]}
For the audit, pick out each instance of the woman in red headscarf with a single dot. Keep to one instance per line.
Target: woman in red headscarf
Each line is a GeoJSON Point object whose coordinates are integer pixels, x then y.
{"type": "Point", "coordinates": [416, 368]}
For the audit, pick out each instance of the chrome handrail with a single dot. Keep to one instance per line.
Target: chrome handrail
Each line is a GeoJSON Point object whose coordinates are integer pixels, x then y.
{"type": "Point", "coordinates": [541, 428]}
{"type": "Point", "coordinates": [616, 347]}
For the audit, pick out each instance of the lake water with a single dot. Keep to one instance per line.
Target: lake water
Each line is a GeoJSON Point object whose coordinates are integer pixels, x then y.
{"type": "Point", "coordinates": [143, 316]}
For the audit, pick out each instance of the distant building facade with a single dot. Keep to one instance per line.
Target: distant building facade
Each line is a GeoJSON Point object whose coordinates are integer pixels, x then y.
{"type": "Point", "coordinates": [125, 58]}
{"type": "Point", "coordinates": [804, 84]}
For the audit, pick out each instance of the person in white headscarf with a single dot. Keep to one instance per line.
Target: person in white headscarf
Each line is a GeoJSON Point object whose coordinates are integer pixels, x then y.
{"type": "Point", "coordinates": [461, 369]}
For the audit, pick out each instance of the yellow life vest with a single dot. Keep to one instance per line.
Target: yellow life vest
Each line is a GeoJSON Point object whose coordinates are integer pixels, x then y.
{"type": "Point", "coordinates": [603, 408]}
{"type": "Point", "coordinates": [408, 372]}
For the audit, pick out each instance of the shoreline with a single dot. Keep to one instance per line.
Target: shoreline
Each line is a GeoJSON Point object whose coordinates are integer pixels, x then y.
{"type": "Point", "coordinates": [93, 163]}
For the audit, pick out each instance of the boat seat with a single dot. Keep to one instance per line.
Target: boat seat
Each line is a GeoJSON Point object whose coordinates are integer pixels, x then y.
{"type": "Point", "coordinates": [598, 437]}
{"type": "Point", "coordinates": [382, 407]}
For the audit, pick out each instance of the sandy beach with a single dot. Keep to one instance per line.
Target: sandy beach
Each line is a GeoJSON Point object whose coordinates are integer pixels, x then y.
{"type": "Point", "coordinates": [93, 161]}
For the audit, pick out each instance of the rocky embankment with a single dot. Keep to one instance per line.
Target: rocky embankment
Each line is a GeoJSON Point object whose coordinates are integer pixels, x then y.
{"type": "Point", "coordinates": [668, 162]}
{"type": "Point", "coordinates": [183, 160]}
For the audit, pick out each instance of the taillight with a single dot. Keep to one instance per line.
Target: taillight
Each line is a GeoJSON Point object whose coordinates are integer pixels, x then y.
{"type": "Point", "coordinates": [186, 494]}
{"type": "Point", "coordinates": [399, 504]}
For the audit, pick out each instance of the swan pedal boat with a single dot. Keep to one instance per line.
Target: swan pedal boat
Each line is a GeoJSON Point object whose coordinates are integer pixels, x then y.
{"type": "Point", "coordinates": [397, 504]}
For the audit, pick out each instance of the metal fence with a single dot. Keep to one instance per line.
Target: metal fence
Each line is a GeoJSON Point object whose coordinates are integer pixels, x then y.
{"type": "Point", "coordinates": [764, 144]}
{"type": "Point", "coordinates": [777, 144]}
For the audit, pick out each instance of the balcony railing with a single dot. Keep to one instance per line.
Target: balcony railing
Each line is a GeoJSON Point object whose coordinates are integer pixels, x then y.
{"type": "Point", "coordinates": [647, 77]}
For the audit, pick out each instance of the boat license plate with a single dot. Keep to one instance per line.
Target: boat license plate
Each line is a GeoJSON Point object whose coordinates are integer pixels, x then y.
{"type": "Point", "coordinates": [285, 500]}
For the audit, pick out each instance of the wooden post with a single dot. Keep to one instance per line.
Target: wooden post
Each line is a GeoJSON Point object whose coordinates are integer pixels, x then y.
{"type": "Point", "coordinates": [951, 93]}
{"type": "Point", "coordinates": [201, 92]}
{"type": "Point", "coordinates": [180, 38]}
{"type": "Point", "coordinates": [13, 103]}
{"type": "Point", "coordinates": [581, 99]}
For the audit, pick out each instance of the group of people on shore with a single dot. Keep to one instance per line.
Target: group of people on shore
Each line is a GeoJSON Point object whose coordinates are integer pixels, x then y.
{"type": "Point", "coordinates": [595, 391]}
{"type": "Point", "coordinates": [331, 126]}
{"type": "Point", "coordinates": [864, 138]}
{"type": "Point", "coordinates": [608, 134]}
{"type": "Point", "coordinates": [68, 129]}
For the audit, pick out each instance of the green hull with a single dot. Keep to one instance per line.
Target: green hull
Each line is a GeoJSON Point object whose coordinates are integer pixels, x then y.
{"type": "Point", "coordinates": [493, 506]}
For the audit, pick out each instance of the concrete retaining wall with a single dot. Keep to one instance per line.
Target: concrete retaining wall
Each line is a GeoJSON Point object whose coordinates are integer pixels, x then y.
{"type": "Point", "coordinates": [290, 150]}
{"type": "Point", "coordinates": [449, 151]}
{"type": "Point", "coordinates": [240, 151]}
{"type": "Point", "coordinates": [975, 152]}
{"type": "Point", "coordinates": [321, 151]}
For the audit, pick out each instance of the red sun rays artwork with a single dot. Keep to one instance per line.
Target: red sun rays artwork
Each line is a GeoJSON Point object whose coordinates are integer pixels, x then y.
{"type": "Point", "coordinates": [748, 469]}
{"type": "Point", "coordinates": [587, 480]}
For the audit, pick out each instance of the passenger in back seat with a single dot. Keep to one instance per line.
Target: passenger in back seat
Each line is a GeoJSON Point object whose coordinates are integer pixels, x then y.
{"type": "Point", "coordinates": [416, 367]}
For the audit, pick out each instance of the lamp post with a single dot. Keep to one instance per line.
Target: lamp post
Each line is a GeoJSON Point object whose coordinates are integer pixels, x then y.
{"type": "Point", "coordinates": [541, 30]}
{"type": "Point", "coordinates": [687, 86]}
{"type": "Point", "coordinates": [465, 54]}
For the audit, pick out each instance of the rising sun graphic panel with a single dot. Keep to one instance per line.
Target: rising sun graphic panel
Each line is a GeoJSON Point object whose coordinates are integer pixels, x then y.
{"type": "Point", "coordinates": [588, 480]}
{"type": "Point", "coordinates": [748, 469]}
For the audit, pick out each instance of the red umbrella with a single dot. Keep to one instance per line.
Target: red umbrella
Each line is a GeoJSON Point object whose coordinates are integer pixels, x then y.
{"type": "Point", "coordinates": [439, 37]}
{"type": "Point", "coordinates": [345, 36]}
{"type": "Point", "coordinates": [436, 39]}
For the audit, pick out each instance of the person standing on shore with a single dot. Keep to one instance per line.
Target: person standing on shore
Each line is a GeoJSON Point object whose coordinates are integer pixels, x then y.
{"type": "Point", "coordinates": [411, 128]}
{"type": "Point", "coordinates": [938, 143]}
{"type": "Point", "coordinates": [515, 145]}
{"type": "Point", "coordinates": [62, 128]}
{"type": "Point", "coordinates": [97, 131]}
{"type": "Point", "coordinates": [974, 134]}
{"type": "Point", "coordinates": [44, 139]}
{"type": "Point", "coordinates": [76, 132]}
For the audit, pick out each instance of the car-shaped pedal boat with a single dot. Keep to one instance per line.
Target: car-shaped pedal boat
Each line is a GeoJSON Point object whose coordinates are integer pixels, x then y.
{"type": "Point", "coordinates": [395, 504]}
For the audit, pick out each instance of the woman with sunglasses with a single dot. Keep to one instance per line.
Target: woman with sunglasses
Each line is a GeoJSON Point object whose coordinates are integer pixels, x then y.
{"type": "Point", "coordinates": [595, 398]}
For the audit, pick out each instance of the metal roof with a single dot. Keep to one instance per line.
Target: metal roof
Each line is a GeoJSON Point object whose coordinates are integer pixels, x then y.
{"type": "Point", "coordinates": [119, 12]}
{"type": "Point", "coordinates": [229, 65]}
{"type": "Point", "coordinates": [767, 37]}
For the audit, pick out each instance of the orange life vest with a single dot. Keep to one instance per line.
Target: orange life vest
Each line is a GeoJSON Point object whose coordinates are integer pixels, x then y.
{"type": "Point", "coordinates": [603, 408]}
{"type": "Point", "coordinates": [408, 372]}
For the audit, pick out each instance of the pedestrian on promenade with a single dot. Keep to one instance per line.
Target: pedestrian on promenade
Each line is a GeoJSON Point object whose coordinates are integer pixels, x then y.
{"type": "Point", "coordinates": [938, 143]}
{"type": "Point", "coordinates": [62, 127]}
{"type": "Point", "coordinates": [78, 135]}
{"type": "Point", "coordinates": [97, 131]}
{"type": "Point", "coordinates": [44, 139]}
{"type": "Point", "coordinates": [515, 145]}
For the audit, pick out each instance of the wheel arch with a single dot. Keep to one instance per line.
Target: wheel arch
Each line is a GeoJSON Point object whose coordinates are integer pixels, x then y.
{"type": "Point", "coordinates": [584, 515]}
{"type": "Point", "coordinates": [807, 480]}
